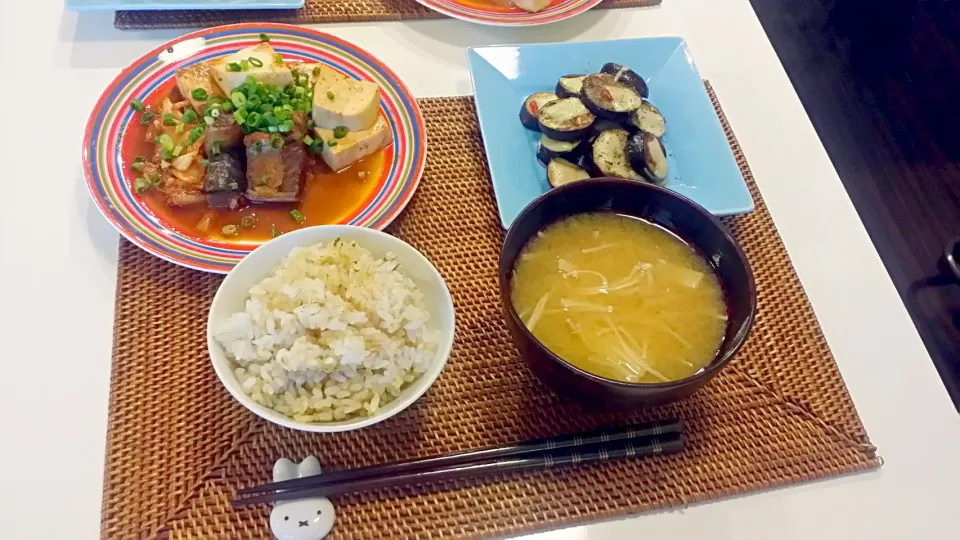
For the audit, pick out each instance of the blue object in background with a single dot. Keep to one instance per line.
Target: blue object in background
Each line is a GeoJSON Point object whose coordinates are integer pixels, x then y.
{"type": "Point", "coordinates": [146, 5]}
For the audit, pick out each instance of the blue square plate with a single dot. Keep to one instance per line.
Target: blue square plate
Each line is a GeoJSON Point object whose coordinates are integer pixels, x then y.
{"type": "Point", "coordinates": [150, 5]}
{"type": "Point", "coordinates": [701, 165]}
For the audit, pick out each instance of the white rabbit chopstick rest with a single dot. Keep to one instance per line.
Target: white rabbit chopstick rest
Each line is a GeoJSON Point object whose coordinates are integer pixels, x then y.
{"type": "Point", "coordinates": [306, 519]}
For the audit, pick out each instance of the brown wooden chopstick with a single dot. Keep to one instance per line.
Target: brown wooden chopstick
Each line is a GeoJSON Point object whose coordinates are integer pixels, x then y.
{"type": "Point", "coordinates": [598, 453]}
{"type": "Point", "coordinates": [631, 432]}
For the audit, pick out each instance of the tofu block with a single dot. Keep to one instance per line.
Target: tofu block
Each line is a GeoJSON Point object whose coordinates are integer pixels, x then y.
{"type": "Point", "coordinates": [339, 100]}
{"type": "Point", "coordinates": [356, 145]}
{"type": "Point", "coordinates": [269, 73]}
{"type": "Point", "coordinates": [197, 76]}
{"type": "Point", "coordinates": [307, 68]}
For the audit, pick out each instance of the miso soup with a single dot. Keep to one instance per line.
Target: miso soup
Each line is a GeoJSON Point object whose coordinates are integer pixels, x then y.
{"type": "Point", "coordinates": [620, 298]}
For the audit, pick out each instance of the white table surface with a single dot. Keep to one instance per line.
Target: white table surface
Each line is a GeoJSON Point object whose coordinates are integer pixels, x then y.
{"type": "Point", "coordinates": [58, 262]}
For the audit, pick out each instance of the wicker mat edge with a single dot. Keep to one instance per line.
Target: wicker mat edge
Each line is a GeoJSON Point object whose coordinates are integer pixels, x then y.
{"type": "Point", "coordinates": [313, 12]}
{"type": "Point", "coordinates": [186, 511]}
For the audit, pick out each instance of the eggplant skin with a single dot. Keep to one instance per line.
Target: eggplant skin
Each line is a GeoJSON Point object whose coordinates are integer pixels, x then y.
{"type": "Point", "coordinates": [536, 101]}
{"type": "Point", "coordinates": [603, 124]}
{"type": "Point", "coordinates": [608, 98]}
{"type": "Point", "coordinates": [545, 154]}
{"type": "Point", "coordinates": [562, 91]}
{"type": "Point", "coordinates": [642, 148]}
{"type": "Point", "coordinates": [574, 128]}
{"type": "Point", "coordinates": [628, 77]}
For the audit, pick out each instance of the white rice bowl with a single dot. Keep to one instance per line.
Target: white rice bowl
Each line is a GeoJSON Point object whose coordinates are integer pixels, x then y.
{"type": "Point", "coordinates": [334, 333]}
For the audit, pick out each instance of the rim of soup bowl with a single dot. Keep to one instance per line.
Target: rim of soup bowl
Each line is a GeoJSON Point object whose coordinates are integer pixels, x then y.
{"type": "Point", "coordinates": [718, 362]}
{"type": "Point", "coordinates": [304, 237]}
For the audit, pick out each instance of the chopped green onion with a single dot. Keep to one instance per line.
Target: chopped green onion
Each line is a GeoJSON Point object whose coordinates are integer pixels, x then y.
{"type": "Point", "coordinates": [248, 222]}
{"type": "Point", "coordinates": [340, 132]}
{"type": "Point", "coordinates": [199, 94]}
{"type": "Point", "coordinates": [196, 133]}
{"type": "Point", "coordinates": [137, 105]}
{"type": "Point", "coordinates": [204, 162]}
{"type": "Point", "coordinates": [189, 116]}
{"type": "Point", "coordinates": [239, 116]}
{"type": "Point", "coordinates": [307, 140]}
{"type": "Point", "coordinates": [255, 62]}
{"type": "Point", "coordinates": [233, 66]}
{"type": "Point", "coordinates": [155, 179]}
{"type": "Point", "coordinates": [137, 165]}
{"type": "Point", "coordinates": [273, 231]}
{"type": "Point", "coordinates": [140, 185]}
{"type": "Point", "coordinates": [215, 113]}
{"type": "Point", "coordinates": [238, 99]}
{"type": "Point", "coordinates": [249, 81]}
{"type": "Point", "coordinates": [316, 146]}
{"type": "Point", "coordinates": [165, 142]}
{"type": "Point", "coordinates": [331, 143]}
{"type": "Point", "coordinates": [244, 64]}
{"type": "Point", "coordinates": [139, 159]}
{"type": "Point", "coordinates": [253, 119]}
{"type": "Point", "coordinates": [278, 60]}
{"type": "Point", "coordinates": [215, 148]}
{"type": "Point", "coordinates": [209, 120]}
{"type": "Point", "coordinates": [316, 71]}
{"type": "Point", "coordinates": [330, 95]}
{"type": "Point", "coordinates": [297, 216]}
{"type": "Point", "coordinates": [276, 142]}
{"type": "Point", "coordinates": [311, 124]}
{"type": "Point", "coordinates": [169, 119]}
{"type": "Point", "coordinates": [177, 150]}
{"type": "Point", "coordinates": [179, 129]}
{"type": "Point", "coordinates": [264, 37]}
{"type": "Point", "coordinates": [147, 118]}
{"type": "Point", "coordinates": [299, 91]}
{"type": "Point", "coordinates": [230, 230]}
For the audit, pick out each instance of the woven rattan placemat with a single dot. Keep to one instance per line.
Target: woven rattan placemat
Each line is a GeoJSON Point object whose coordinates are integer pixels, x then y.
{"type": "Point", "coordinates": [178, 445]}
{"type": "Point", "coordinates": [314, 11]}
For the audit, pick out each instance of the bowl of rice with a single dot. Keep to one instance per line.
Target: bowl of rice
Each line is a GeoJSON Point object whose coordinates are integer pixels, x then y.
{"type": "Point", "coordinates": [330, 328]}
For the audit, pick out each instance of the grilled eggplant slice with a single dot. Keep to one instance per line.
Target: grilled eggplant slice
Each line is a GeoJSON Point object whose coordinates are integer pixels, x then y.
{"type": "Point", "coordinates": [602, 124]}
{"type": "Point", "coordinates": [607, 98]}
{"type": "Point", "coordinates": [565, 120]}
{"type": "Point", "coordinates": [561, 171]}
{"type": "Point", "coordinates": [646, 153]}
{"type": "Point", "coordinates": [608, 155]}
{"type": "Point", "coordinates": [627, 76]}
{"type": "Point", "coordinates": [569, 85]}
{"type": "Point", "coordinates": [648, 120]}
{"type": "Point", "coordinates": [549, 149]}
{"type": "Point", "coordinates": [531, 109]}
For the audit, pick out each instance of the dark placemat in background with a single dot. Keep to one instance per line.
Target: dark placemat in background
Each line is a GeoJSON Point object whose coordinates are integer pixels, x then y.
{"type": "Point", "coordinates": [178, 445]}
{"type": "Point", "coordinates": [314, 11]}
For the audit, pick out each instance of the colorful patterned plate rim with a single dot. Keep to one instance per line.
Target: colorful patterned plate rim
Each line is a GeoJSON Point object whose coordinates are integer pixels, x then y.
{"type": "Point", "coordinates": [485, 12]}
{"type": "Point", "coordinates": [112, 190]}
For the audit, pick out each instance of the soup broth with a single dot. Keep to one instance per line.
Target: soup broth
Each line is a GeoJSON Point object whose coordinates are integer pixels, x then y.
{"type": "Point", "coordinates": [620, 298]}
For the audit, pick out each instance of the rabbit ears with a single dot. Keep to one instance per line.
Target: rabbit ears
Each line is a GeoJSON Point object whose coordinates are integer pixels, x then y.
{"type": "Point", "coordinates": [284, 469]}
